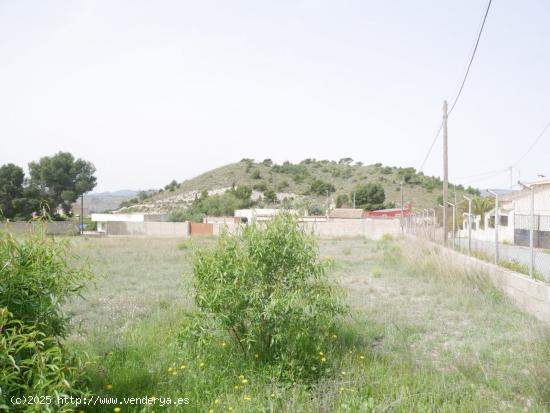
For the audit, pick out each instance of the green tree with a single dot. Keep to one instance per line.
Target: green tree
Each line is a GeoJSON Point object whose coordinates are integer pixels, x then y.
{"type": "Point", "coordinates": [370, 196]}
{"type": "Point", "coordinates": [172, 186]}
{"type": "Point", "coordinates": [320, 187]}
{"type": "Point", "coordinates": [482, 205]}
{"type": "Point", "coordinates": [61, 179]}
{"type": "Point", "coordinates": [342, 200]}
{"type": "Point", "coordinates": [12, 178]}
{"type": "Point", "coordinates": [270, 196]}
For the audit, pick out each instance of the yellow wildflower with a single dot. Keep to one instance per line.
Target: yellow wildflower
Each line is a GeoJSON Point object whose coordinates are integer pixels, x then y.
{"type": "Point", "coordinates": [216, 401]}
{"type": "Point", "coordinates": [324, 360]}
{"type": "Point", "coordinates": [230, 408]}
{"type": "Point", "coordinates": [244, 381]}
{"type": "Point", "coordinates": [257, 355]}
{"type": "Point", "coordinates": [174, 373]}
{"type": "Point", "coordinates": [201, 365]}
{"type": "Point", "coordinates": [116, 409]}
{"type": "Point", "coordinates": [183, 366]}
{"type": "Point", "coordinates": [247, 398]}
{"type": "Point", "coordinates": [170, 369]}
{"type": "Point", "coordinates": [321, 354]}
{"type": "Point", "coordinates": [334, 336]}
{"type": "Point", "coordinates": [109, 386]}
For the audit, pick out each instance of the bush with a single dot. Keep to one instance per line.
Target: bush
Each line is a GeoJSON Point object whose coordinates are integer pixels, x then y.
{"type": "Point", "coordinates": [268, 290]}
{"type": "Point", "coordinates": [36, 280]}
{"type": "Point", "coordinates": [320, 187]}
{"type": "Point", "coordinates": [33, 364]}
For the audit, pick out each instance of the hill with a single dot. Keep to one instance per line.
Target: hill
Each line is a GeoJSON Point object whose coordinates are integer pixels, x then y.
{"type": "Point", "coordinates": [105, 201]}
{"type": "Point", "coordinates": [301, 185]}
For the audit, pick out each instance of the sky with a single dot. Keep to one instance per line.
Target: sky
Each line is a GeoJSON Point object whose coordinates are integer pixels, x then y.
{"type": "Point", "coordinates": [154, 91]}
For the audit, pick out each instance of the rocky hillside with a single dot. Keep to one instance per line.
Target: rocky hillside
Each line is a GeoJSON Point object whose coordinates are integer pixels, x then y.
{"type": "Point", "coordinates": [301, 185]}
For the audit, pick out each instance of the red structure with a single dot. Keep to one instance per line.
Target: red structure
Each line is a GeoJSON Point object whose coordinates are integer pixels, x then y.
{"type": "Point", "coordinates": [392, 212]}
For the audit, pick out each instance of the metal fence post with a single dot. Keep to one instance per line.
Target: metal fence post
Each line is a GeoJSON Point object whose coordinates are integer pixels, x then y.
{"type": "Point", "coordinates": [531, 229]}
{"type": "Point", "coordinates": [497, 219]}
{"type": "Point", "coordinates": [469, 224]}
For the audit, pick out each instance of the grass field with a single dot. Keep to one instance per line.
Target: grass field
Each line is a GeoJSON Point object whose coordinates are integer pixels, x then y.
{"type": "Point", "coordinates": [421, 337]}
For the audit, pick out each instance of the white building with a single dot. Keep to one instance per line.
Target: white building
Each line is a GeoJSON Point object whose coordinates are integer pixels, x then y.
{"type": "Point", "coordinates": [514, 215]}
{"type": "Point", "coordinates": [103, 219]}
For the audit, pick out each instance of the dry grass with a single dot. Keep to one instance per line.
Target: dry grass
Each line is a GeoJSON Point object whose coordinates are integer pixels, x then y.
{"type": "Point", "coordinates": [436, 337]}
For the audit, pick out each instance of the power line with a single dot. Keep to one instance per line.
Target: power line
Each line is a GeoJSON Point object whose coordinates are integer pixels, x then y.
{"type": "Point", "coordinates": [532, 145]}
{"type": "Point", "coordinates": [498, 171]}
{"type": "Point", "coordinates": [483, 178]}
{"type": "Point", "coordinates": [479, 174]}
{"type": "Point", "coordinates": [431, 147]}
{"type": "Point", "coordinates": [461, 85]}
{"type": "Point", "coordinates": [471, 58]}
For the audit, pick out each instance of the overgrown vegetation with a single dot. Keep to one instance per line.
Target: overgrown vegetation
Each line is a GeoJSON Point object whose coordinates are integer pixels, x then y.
{"type": "Point", "coordinates": [423, 335]}
{"type": "Point", "coordinates": [268, 292]}
{"type": "Point", "coordinates": [37, 277]}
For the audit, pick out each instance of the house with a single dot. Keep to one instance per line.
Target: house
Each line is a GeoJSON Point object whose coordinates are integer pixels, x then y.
{"type": "Point", "coordinates": [260, 214]}
{"type": "Point", "coordinates": [391, 212]}
{"type": "Point", "coordinates": [347, 213]}
{"type": "Point", "coordinates": [103, 219]}
{"type": "Point", "coordinates": [514, 217]}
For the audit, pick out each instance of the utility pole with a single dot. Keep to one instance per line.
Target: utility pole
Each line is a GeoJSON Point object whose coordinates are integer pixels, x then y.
{"type": "Point", "coordinates": [511, 168]}
{"type": "Point", "coordinates": [445, 173]}
{"type": "Point", "coordinates": [353, 199]}
{"type": "Point", "coordinates": [469, 223]}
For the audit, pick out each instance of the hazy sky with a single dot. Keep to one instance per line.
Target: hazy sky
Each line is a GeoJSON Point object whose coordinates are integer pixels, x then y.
{"type": "Point", "coordinates": [151, 91]}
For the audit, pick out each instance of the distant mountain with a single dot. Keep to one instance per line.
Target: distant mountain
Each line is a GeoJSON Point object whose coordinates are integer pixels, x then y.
{"type": "Point", "coordinates": [106, 201]}
{"type": "Point", "coordinates": [122, 192]}
{"type": "Point", "coordinates": [500, 192]}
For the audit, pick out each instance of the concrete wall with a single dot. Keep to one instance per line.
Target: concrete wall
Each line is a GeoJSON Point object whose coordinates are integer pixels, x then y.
{"type": "Point", "coordinates": [230, 227]}
{"type": "Point", "coordinates": [370, 228]}
{"type": "Point", "coordinates": [149, 229]}
{"type": "Point", "coordinates": [530, 295]}
{"type": "Point", "coordinates": [52, 228]}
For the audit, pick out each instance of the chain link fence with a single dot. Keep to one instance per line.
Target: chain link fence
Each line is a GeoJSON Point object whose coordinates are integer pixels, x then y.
{"type": "Point", "coordinates": [508, 243]}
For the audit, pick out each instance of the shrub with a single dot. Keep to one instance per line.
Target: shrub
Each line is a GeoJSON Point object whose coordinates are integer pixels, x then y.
{"type": "Point", "coordinates": [37, 278]}
{"type": "Point", "coordinates": [320, 187]}
{"type": "Point", "coordinates": [268, 290]}
{"type": "Point", "coordinates": [33, 364]}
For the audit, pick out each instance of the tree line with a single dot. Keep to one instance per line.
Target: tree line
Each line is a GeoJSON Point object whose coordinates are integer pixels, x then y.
{"type": "Point", "coordinates": [54, 183]}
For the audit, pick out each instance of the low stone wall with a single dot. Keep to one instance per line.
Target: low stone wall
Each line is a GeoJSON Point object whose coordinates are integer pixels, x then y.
{"type": "Point", "coordinates": [52, 228]}
{"type": "Point", "coordinates": [370, 228]}
{"type": "Point", "coordinates": [530, 295]}
{"type": "Point", "coordinates": [148, 229]}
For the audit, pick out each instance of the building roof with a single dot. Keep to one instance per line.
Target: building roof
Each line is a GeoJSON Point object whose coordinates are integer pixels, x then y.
{"type": "Point", "coordinates": [354, 213]}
